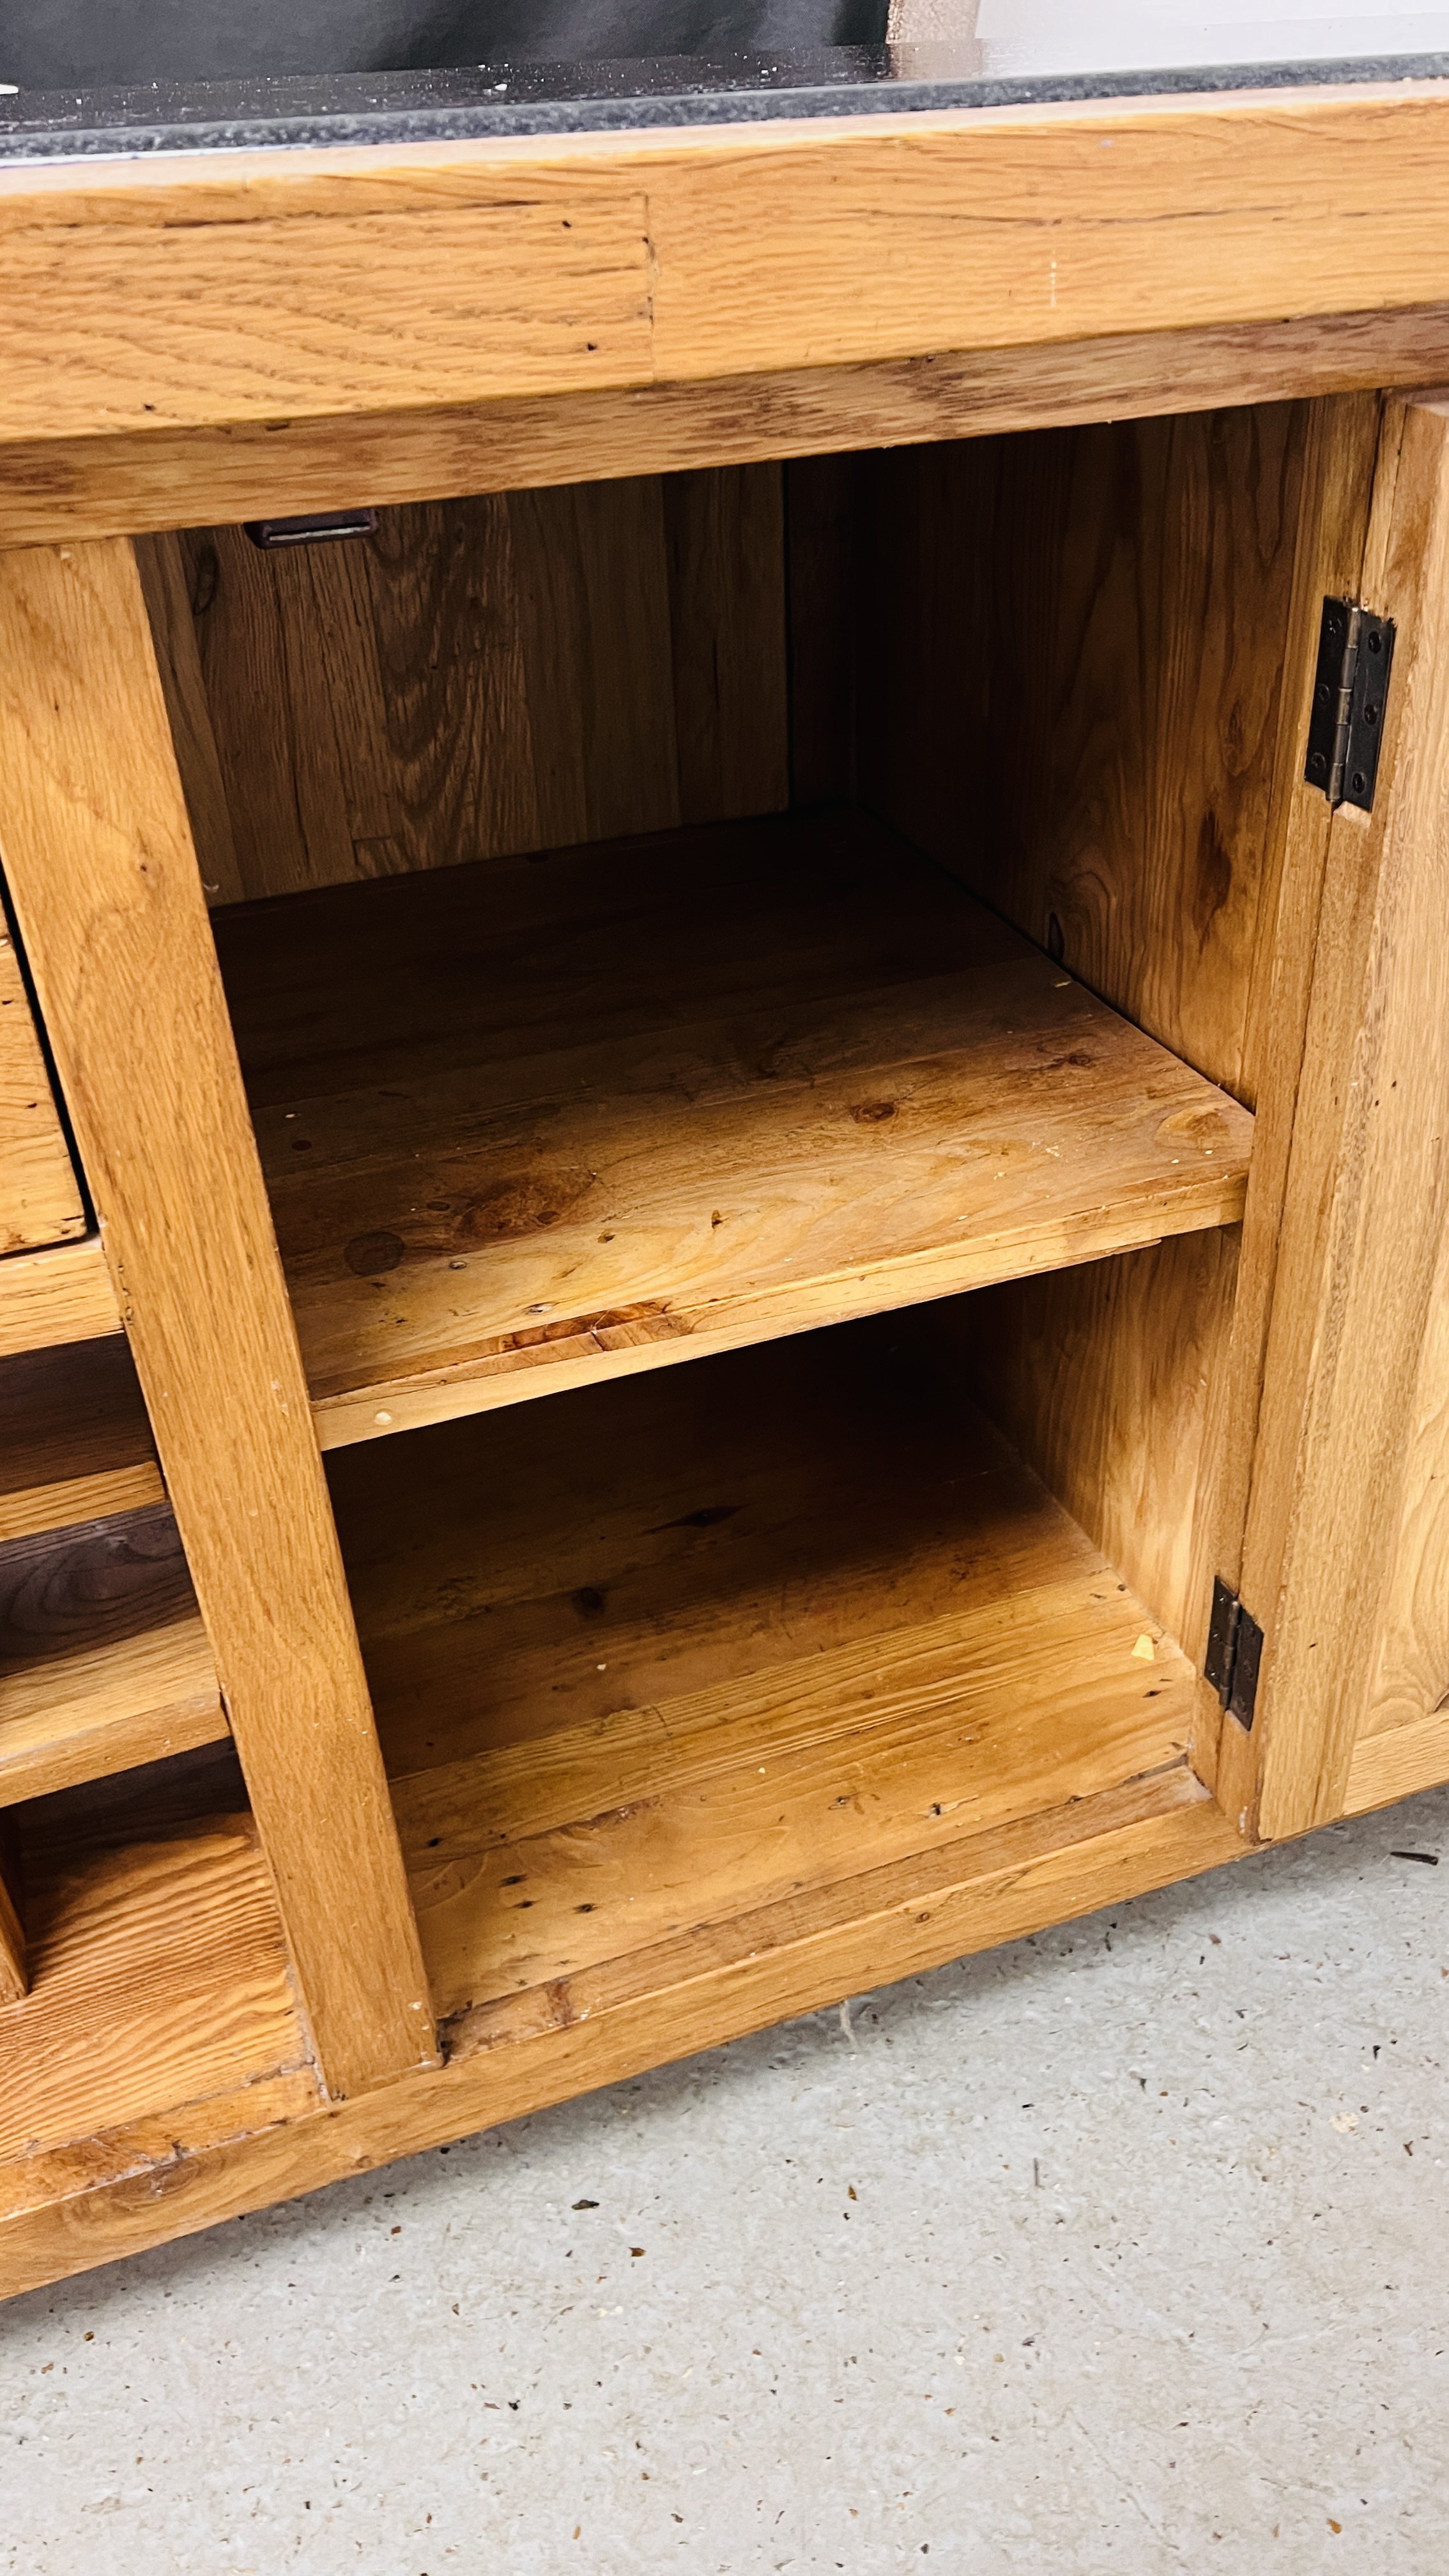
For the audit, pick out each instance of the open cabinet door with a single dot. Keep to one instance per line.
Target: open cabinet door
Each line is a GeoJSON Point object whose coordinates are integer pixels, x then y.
{"type": "Point", "coordinates": [1344, 1559]}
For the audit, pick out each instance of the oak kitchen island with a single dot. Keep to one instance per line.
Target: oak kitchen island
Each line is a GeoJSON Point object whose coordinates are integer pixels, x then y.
{"type": "Point", "coordinates": [764, 747]}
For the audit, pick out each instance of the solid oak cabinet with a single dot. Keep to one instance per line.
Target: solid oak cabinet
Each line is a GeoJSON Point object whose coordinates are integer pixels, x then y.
{"type": "Point", "coordinates": [759, 1288]}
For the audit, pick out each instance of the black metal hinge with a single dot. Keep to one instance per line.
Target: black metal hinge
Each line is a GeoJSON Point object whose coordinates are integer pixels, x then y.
{"type": "Point", "coordinates": [1355, 651]}
{"type": "Point", "coordinates": [1234, 1652]}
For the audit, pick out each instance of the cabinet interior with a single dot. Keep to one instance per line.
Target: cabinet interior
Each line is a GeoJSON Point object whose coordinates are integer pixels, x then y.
{"type": "Point", "coordinates": [768, 958]}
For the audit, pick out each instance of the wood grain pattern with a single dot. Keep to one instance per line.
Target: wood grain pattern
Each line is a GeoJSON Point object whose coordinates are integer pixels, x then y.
{"type": "Point", "coordinates": [159, 1976]}
{"type": "Point", "coordinates": [390, 278]}
{"type": "Point", "coordinates": [77, 1440]}
{"type": "Point", "coordinates": [605, 1141]}
{"type": "Point", "coordinates": [687, 1542]}
{"type": "Point", "coordinates": [1366, 1206]}
{"type": "Point", "coordinates": [1397, 1762]}
{"type": "Point", "coordinates": [56, 1298]}
{"type": "Point", "coordinates": [1104, 612]}
{"type": "Point", "coordinates": [1109, 607]}
{"type": "Point", "coordinates": [40, 1199]}
{"type": "Point", "coordinates": [78, 1498]}
{"type": "Point", "coordinates": [166, 583]}
{"type": "Point", "coordinates": [449, 300]}
{"type": "Point", "coordinates": [110, 2197]}
{"type": "Point", "coordinates": [480, 677]}
{"type": "Point", "coordinates": [725, 540]}
{"type": "Point", "coordinates": [1340, 447]}
{"type": "Point", "coordinates": [103, 873]}
{"type": "Point", "coordinates": [104, 1663]}
{"type": "Point", "coordinates": [540, 1864]}
{"type": "Point", "coordinates": [102, 1708]}
{"type": "Point", "coordinates": [1101, 1377]}
{"type": "Point", "coordinates": [1410, 1681]}
{"type": "Point", "coordinates": [98, 1584]}
{"type": "Point", "coordinates": [937, 1892]}
{"type": "Point", "coordinates": [104, 484]}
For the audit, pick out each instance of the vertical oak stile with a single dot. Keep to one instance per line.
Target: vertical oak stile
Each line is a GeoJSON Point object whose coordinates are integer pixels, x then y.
{"type": "Point", "coordinates": [1340, 448]}
{"type": "Point", "coordinates": [1366, 1200]}
{"type": "Point", "coordinates": [103, 871]}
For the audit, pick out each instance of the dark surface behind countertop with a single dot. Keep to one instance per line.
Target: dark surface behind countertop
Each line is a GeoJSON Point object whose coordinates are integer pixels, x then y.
{"type": "Point", "coordinates": [137, 77]}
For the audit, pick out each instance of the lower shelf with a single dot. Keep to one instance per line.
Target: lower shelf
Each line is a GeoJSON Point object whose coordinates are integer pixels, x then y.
{"type": "Point", "coordinates": [710, 1697]}
{"type": "Point", "coordinates": [730, 1659]}
{"type": "Point", "coordinates": [77, 1439]}
{"type": "Point", "coordinates": [160, 1973]}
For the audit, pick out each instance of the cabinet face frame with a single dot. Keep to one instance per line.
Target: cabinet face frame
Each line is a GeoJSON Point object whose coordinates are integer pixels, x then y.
{"type": "Point", "coordinates": [102, 870]}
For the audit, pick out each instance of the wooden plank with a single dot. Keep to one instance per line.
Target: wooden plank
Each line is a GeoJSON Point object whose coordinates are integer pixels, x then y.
{"type": "Point", "coordinates": [111, 2197]}
{"type": "Point", "coordinates": [1367, 1199]}
{"type": "Point", "coordinates": [103, 872]}
{"type": "Point", "coordinates": [935, 1890]}
{"type": "Point", "coordinates": [94, 1585]}
{"type": "Point", "coordinates": [106, 1708]}
{"type": "Point", "coordinates": [104, 1663]}
{"type": "Point", "coordinates": [79, 1498]}
{"type": "Point", "coordinates": [77, 1440]}
{"type": "Point", "coordinates": [59, 1297]}
{"type": "Point", "coordinates": [1409, 1687]}
{"type": "Point", "coordinates": [686, 1529]}
{"type": "Point", "coordinates": [40, 1199]}
{"type": "Point", "coordinates": [108, 484]}
{"type": "Point", "coordinates": [566, 1179]}
{"type": "Point", "coordinates": [546, 1861]}
{"type": "Point", "coordinates": [478, 678]}
{"type": "Point", "coordinates": [517, 290]}
{"type": "Point", "coordinates": [1101, 1377]}
{"type": "Point", "coordinates": [1398, 1762]}
{"type": "Point", "coordinates": [159, 1975]}
{"type": "Point", "coordinates": [1340, 447]}
{"type": "Point", "coordinates": [242, 287]}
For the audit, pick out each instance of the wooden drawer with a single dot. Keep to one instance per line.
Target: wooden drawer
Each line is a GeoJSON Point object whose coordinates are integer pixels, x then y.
{"type": "Point", "coordinates": [40, 1195]}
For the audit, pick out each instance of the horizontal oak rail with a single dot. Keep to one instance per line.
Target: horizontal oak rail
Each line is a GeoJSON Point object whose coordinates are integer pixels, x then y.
{"type": "Point", "coordinates": [259, 287]}
{"type": "Point", "coordinates": [142, 481]}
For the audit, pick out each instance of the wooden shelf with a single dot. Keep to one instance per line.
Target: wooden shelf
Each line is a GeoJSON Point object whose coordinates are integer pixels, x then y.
{"type": "Point", "coordinates": [542, 1120]}
{"type": "Point", "coordinates": [159, 1977]}
{"type": "Point", "coordinates": [104, 1663]}
{"type": "Point", "coordinates": [77, 1441]}
{"type": "Point", "coordinates": [711, 1664]}
{"type": "Point", "coordinates": [61, 1296]}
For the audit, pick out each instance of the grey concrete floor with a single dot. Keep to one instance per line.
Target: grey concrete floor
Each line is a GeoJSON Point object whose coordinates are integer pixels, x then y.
{"type": "Point", "coordinates": [1122, 2249]}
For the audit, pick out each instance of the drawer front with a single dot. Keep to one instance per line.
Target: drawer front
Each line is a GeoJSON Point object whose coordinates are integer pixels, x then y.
{"type": "Point", "coordinates": [40, 1198]}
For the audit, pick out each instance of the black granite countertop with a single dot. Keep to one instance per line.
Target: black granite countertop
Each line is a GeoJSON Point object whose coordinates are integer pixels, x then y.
{"type": "Point", "coordinates": [513, 96]}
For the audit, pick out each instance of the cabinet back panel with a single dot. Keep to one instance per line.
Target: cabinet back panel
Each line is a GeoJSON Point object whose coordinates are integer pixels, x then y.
{"type": "Point", "coordinates": [481, 677]}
